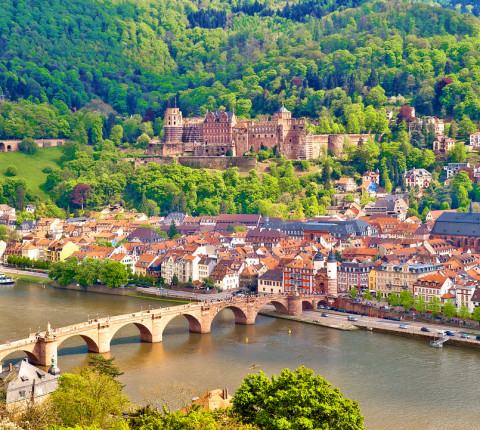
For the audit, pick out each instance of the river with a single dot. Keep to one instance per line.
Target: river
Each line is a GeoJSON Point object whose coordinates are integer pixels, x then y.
{"type": "Point", "coordinates": [399, 383]}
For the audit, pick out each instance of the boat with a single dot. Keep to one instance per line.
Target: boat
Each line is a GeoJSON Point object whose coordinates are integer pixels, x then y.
{"type": "Point", "coordinates": [5, 281]}
{"type": "Point", "coordinates": [255, 366]}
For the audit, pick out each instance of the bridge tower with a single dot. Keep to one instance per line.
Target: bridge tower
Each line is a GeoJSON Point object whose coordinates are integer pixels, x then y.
{"type": "Point", "coordinates": [332, 285]}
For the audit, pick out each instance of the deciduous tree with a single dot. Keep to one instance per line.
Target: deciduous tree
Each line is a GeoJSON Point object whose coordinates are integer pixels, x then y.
{"type": "Point", "coordinates": [295, 400]}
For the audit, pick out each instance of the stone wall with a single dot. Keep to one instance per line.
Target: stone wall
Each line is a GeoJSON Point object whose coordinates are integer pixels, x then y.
{"type": "Point", "coordinates": [12, 145]}
{"type": "Point", "coordinates": [101, 289]}
{"type": "Point", "coordinates": [244, 164]}
{"type": "Point", "coordinates": [336, 142]}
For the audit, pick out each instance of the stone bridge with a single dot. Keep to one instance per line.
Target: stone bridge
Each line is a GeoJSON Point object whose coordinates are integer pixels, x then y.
{"type": "Point", "coordinates": [98, 333]}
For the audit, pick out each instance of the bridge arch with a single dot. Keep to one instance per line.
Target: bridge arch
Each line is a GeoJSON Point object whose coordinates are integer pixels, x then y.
{"type": "Point", "coordinates": [194, 324]}
{"type": "Point", "coordinates": [307, 305]}
{"type": "Point", "coordinates": [2, 147]}
{"type": "Point", "coordinates": [280, 307]}
{"type": "Point", "coordinates": [92, 344]}
{"type": "Point", "coordinates": [145, 332]}
{"type": "Point", "coordinates": [32, 358]}
{"type": "Point", "coordinates": [238, 312]}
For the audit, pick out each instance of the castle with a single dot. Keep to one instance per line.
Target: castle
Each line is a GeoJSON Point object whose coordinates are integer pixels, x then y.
{"type": "Point", "coordinates": [222, 134]}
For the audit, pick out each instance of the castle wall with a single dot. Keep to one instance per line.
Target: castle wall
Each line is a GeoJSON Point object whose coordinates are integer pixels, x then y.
{"type": "Point", "coordinates": [244, 164]}
{"type": "Point", "coordinates": [12, 145]}
{"type": "Point", "coordinates": [336, 142]}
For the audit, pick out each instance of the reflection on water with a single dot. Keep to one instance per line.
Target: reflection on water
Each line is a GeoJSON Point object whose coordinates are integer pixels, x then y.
{"type": "Point", "coordinates": [399, 383]}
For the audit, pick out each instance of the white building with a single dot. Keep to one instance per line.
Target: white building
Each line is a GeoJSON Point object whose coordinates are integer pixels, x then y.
{"type": "Point", "coordinates": [417, 177]}
{"type": "Point", "coordinates": [452, 169]}
{"type": "Point", "coordinates": [475, 140]}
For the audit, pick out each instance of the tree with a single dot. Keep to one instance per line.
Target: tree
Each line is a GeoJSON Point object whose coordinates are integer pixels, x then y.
{"type": "Point", "coordinates": [406, 300]}
{"type": "Point", "coordinates": [449, 310]}
{"type": "Point", "coordinates": [28, 146]}
{"type": "Point", "coordinates": [172, 231]}
{"type": "Point", "coordinates": [11, 171]}
{"type": "Point", "coordinates": [88, 397]}
{"type": "Point", "coordinates": [89, 271]}
{"type": "Point", "coordinates": [435, 305]}
{"type": "Point", "coordinates": [367, 296]}
{"type": "Point", "coordinates": [453, 130]}
{"type": "Point", "coordinates": [353, 292]}
{"type": "Point", "coordinates": [80, 193]}
{"type": "Point", "coordinates": [392, 299]}
{"type": "Point", "coordinates": [420, 304]}
{"type": "Point", "coordinates": [113, 274]}
{"type": "Point", "coordinates": [464, 313]}
{"type": "Point", "coordinates": [294, 400]}
{"type": "Point", "coordinates": [103, 365]}
{"type": "Point", "coordinates": [174, 280]}
{"type": "Point", "coordinates": [208, 283]}
{"type": "Point", "coordinates": [476, 314]}
{"type": "Point", "coordinates": [116, 135]}
{"type": "Point", "coordinates": [378, 297]}
{"type": "Point", "coordinates": [458, 154]}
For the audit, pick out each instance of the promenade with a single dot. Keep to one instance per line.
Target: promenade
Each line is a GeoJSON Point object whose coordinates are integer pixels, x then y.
{"type": "Point", "coordinates": [339, 321]}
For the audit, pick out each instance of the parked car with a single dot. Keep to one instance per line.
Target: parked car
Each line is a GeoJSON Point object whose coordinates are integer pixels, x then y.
{"type": "Point", "coordinates": [364, 314]}
{"type": "Point", "coordinates": [449, 333]}
{"type": "Point", "coordinates": [371, 315]}
{"type": "Point", "coordinates": [324, 314]}
{"type": "Point", "coordinates": [404, 326]}
{"type": "Point", "coordinates": [396, 319]}
{"type": "Point", "coordinates": [441, 332]}
{"type": "Point", "coordinates": [425, 329]}
{"type": "Point", "coordinates": [478, 338]}
{"type": "Point", "coordinates": [352, 318]}
{"type": "Point", "coordinates": [320, 307]}
{"type": "Point", "coordinates": [465, 336]}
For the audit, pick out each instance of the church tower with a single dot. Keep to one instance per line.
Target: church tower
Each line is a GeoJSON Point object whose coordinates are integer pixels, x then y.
{"type": "Point", "coordinates": [332, 274]}
{"type": "Point", "coordinates": [173, 125]}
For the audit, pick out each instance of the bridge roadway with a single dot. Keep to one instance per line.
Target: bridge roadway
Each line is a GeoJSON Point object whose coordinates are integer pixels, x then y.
{"type": "Point", "coordinates": [98, 333]}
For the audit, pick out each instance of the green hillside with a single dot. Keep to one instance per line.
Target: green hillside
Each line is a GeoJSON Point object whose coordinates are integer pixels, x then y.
{"type": "Point", "coordinates": [30, 167]}
{"type": "Point", "coordinates": [243, 55]}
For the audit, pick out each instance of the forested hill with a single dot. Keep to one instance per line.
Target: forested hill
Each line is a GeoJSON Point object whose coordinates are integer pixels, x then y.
{"type": "Point", "coordinates": [244, 55]}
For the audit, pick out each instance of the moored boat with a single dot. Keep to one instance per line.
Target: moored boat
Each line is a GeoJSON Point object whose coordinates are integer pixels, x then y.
{"type": "Point", "coordinates": [5, 280]}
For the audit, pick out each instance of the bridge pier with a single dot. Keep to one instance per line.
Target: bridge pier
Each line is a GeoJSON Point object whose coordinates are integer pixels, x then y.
{"type": "Point", "coordinates": [44, 350]}
{"type": "Point", "coordinates": [294, 305]}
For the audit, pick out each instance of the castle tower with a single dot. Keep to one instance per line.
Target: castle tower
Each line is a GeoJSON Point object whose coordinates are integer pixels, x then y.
{"type": "Point", "coordinates": [173, 125]}
{"type": "Point", "coordinates": [332, 274]}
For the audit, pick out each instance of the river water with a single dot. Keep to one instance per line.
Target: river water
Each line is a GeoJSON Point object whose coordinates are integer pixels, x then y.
{"type": "Point", "coordinates": [399, 383]}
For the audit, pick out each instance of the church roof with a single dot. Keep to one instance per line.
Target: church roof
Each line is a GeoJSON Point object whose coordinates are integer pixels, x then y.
{"type": "Point", "coordinates": [458, 224]}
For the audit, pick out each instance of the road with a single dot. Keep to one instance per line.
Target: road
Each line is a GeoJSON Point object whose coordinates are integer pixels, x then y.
{"type": "Point", "coordinates": [340, 320]}
{"type": "Point", "coordinates": [23, 272]}
{"type": "Point", "coordinates": [183, 294]}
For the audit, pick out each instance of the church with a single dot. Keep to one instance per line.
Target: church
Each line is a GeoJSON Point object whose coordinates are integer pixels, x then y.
{"type": "Point", "coordinates": [462, 229]}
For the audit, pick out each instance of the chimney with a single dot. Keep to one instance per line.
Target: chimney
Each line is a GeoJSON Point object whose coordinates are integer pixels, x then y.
{"type": "Point", "coordinates": [225, 393]}
{"type": "Point", "coordinates": [10, 367]}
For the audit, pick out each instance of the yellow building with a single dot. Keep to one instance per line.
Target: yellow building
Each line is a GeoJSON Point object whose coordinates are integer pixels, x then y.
{"type": "Point", "coordinates": [372, 284]}
{"type": "Point", "coordinates": [395, 278]}
{"type": "Point", "coordinates": [61, 250]}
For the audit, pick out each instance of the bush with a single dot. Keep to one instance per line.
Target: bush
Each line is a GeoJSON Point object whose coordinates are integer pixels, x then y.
{"type": "Point", "coordinates": [48, 169]}
{"type": "Point", "coordinates": [28, 146]}
{"type": "Point", "coordinates": [11, 171]}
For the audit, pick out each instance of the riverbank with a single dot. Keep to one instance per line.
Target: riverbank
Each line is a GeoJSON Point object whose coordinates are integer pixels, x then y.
{"type": "Point", "coordinates": [26, 275]}
{"type": "Point", "coordinates": [339, 321]}
{"type": "Point", "coordinates": [309, 319]}
{"type": "Point", "coordinates": [161, 299]}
